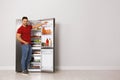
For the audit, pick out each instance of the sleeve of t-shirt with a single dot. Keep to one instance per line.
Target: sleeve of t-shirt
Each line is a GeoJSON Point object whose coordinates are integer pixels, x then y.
{"type": "Point", "coordinates": [19, 31]}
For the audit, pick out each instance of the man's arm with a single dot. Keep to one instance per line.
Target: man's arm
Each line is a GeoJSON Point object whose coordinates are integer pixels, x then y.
{"type": "Point", "coordinates": [20, 39]}
{"type": "Point", "coordinates": [38, 25]}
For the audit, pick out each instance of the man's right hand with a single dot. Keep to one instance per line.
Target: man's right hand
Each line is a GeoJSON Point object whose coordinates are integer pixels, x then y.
{"type": "Point", "coordinates": [20, 39]}
{"type": "Point", "coordinates": [26, 43]}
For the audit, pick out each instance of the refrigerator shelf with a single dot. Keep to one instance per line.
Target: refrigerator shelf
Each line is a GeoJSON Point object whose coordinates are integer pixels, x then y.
{"type": "Point", "coordinates": [36, 48]}
{"type": "Point", "coordinates": [35, 42]}
{"type": "Point", "coordinates": [47, 34]}
{"type": "Point", "coordinates": [36, 45]}
{"type": "Point", "coordinates": [35, 36]}
{"type": "Point", "coordinates": [36, 30]}
{"type": "Point", "coordinates": [36, 51]}
{"type": "Point", "coordinates": [32, 44]}
{"type": "Point", "coordinates": [34, 70]}
{"type": "Point", "coordinates": [46, 47]}
{"type": "Point", "coordinates": [36, 54]}
{"type": "Point", "coordinates": [36, 63]}
{"type": "Point", "coordinates": [34, 67]}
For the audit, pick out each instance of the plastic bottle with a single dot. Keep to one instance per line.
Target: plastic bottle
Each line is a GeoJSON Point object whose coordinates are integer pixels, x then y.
{"type": "Point", "coordinates": [50, 42]}
{"type": "Point", "coordinates": [47, 42]}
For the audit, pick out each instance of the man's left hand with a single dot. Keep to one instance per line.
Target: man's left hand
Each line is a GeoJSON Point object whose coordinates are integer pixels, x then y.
{"type": "Point", "coordinates": [44, 23]}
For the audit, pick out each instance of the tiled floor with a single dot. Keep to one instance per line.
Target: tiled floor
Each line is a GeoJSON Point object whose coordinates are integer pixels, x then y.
{"type": "Point", "coordinates": [62, 75]}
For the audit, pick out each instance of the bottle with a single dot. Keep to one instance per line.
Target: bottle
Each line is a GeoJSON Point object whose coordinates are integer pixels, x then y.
{"type": "Point", "coordinates": [50, 42]}
{"type": "Point", "coordinates": [47, 42]}
{"type": "Point", "coordinates": [43, 30]}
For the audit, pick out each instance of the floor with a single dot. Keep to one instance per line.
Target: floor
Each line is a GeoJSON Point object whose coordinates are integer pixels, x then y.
{"type": "Point", "coordinates": [62, 75]}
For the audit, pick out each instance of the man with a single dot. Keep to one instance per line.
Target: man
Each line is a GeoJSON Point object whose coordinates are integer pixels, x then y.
{"type": "Point", "coordinates": [24, 36]}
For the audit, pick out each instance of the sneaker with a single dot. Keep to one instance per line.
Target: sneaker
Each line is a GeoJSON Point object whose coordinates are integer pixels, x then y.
{"type": "Point", "coordinates": [25, 71]}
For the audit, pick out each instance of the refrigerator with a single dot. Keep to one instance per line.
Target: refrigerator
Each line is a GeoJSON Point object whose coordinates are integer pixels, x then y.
{"type": "Point", "coordinates": [43, 46]}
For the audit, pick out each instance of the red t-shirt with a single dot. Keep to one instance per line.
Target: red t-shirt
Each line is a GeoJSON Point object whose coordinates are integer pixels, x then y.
{"type": "Point", "coordinates": [25, 33]}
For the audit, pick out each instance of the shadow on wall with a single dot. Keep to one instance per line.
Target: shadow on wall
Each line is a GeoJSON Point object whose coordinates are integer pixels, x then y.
{"type": "Point", "coordinates": [57, 41]}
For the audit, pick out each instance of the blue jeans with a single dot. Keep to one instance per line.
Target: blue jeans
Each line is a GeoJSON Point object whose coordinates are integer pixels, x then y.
{"type": "Point", "coordinates": [26, 56]}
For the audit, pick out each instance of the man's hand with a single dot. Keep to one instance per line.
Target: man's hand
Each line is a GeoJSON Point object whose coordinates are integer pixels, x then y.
{"type": "Point", "coordinates": [20, 39]}
{"type": "Point", "coordinates": [38, 25]}
{"type": "Point", "coordinates": [26, 42]}
{"type": "Point", "coordinates": [44, 23]}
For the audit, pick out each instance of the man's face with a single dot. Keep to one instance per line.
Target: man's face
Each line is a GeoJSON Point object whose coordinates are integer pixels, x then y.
{"type": "Point", "coordinates": [25, 22]}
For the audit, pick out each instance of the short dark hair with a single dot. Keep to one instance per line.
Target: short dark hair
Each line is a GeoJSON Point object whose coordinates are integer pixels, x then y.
{"type": "Point", "coordinates": [24, 17]}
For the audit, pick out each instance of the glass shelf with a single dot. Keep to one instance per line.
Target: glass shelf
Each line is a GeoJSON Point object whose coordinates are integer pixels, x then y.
{"type": "Point", "coordinates": [36, 30]}
{"type": "Point", "coordinates": [36, 55]}
{"type": "Point", "coordinates": [46, 47]}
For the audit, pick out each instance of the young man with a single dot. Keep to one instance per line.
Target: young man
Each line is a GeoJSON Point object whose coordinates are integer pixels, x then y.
{"type": "Point", "coordinates": [24, 36]}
